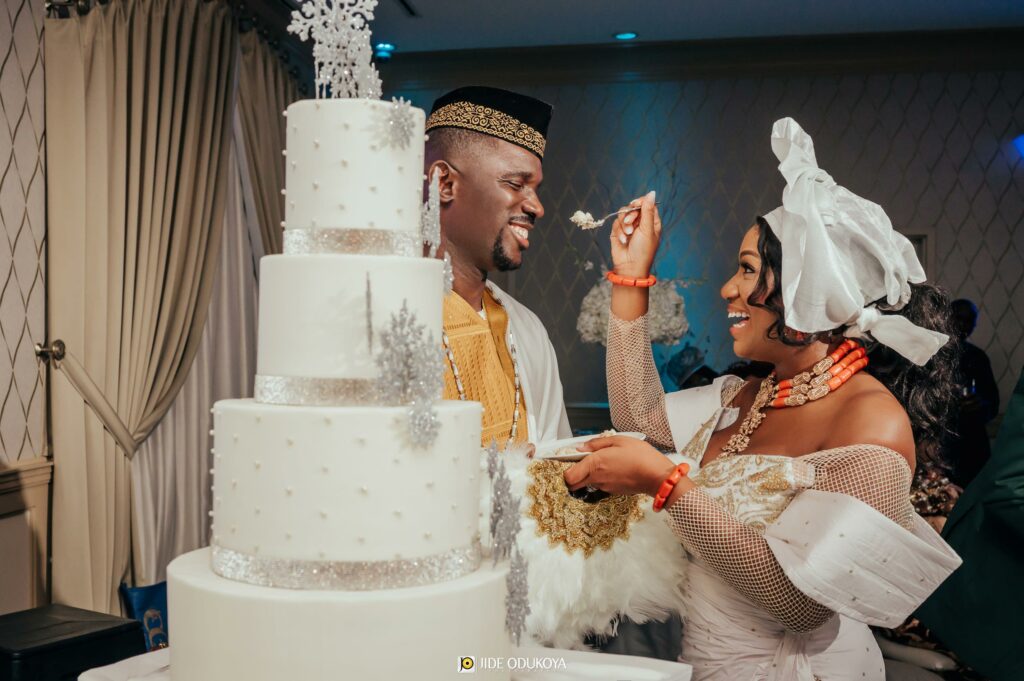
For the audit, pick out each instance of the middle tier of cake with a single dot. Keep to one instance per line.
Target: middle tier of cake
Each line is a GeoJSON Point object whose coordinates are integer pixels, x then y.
{"type": "Point", "coordinates": [342, 491]}
{"type": "Point", "coordinates": [322, 319]}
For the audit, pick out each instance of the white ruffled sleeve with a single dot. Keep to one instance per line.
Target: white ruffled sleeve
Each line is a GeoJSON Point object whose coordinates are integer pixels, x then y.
{"type": "Point", "coordinates": [847, 556]}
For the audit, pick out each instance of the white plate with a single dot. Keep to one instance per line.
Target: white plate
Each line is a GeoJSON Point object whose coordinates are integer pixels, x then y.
{"type": "Point", "coordinates": [546, 450]}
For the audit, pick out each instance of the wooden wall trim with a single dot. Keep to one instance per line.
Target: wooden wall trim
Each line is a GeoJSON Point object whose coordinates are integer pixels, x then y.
{"type": "Point", "coordinates": [25, 488]}
{"type": "Point", "coordinates": [16, 476]}
{"type": "Point", "coordinates": [999, 49]}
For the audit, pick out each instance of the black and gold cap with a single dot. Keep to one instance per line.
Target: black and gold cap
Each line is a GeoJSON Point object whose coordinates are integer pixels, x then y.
{"type": "Point", "coordinates": [506, 115]}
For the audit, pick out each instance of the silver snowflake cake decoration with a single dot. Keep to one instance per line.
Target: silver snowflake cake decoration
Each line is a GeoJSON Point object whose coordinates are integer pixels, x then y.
{"type": "Point", "coordinates": [394, 124]}
{"type": "Point", "coordinates": [430, 217]}
{"type": "Point", "coordinates": [517, 598]}
{"type": "Point", "coordinates": [340, 30]}
{"type": "Point", "coordinates": [492, 459]}
{"type": "Point", "coordinates": [505, 524]}
{"type": "Point", "coordinates": [449, 274]}
{"type": "Point", "coordinates": [411, 370]}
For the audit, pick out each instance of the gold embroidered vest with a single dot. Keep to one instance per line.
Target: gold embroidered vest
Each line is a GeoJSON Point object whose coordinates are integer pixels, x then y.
{"type": "Point", "coordinates": [485, 366]}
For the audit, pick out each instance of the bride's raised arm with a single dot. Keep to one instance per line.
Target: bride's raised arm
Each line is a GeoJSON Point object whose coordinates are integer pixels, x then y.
{"type": "Point", "coordinates": [635, 395]}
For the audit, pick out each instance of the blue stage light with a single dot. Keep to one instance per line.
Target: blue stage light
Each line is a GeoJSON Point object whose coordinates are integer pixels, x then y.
{"type": "Point", "coordinates": [626, 35]}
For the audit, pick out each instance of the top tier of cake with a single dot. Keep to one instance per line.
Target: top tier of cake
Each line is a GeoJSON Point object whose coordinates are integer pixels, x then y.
{"type": "Point", "coordinates": [347, 168]}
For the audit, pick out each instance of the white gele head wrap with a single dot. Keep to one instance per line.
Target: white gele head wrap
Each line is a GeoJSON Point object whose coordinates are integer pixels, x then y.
{"type": "Point", "coordinates": [840, 254]}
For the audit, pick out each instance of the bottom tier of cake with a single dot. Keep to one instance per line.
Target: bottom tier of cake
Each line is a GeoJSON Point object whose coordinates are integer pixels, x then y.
{"type": "Point", "coordinates": [221, 629]}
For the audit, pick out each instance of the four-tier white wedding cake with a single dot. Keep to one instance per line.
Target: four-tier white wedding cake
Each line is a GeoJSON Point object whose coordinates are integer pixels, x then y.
{"type": "Point", "coordinates": [345, 535]}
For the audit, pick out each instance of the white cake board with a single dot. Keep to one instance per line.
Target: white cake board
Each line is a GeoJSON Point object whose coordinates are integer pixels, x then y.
{"type": "Point", "coordinates": [579, 666]}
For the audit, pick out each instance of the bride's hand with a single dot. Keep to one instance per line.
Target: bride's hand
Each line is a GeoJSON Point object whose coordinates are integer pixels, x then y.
{"type": "Point", "coordinates": [635, 237]}
{"type": "Point", "coordinates": [619, 465]}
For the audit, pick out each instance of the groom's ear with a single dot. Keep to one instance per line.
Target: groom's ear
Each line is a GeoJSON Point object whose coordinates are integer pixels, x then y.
{"type": "Point", "coordinates": [445, 180]}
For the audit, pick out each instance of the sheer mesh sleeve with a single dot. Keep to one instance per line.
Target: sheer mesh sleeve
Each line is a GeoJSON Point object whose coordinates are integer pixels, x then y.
{"type": "Point", "coordinates": [742, 557]}
{"type": "Point", "coordinates": [635, 395]}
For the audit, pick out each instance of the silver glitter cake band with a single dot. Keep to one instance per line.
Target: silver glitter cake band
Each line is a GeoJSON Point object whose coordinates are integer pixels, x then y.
{"type": "Point", "coordinates": [340, 575]}
{"type": "Point", "coordinates": [315, 392]}
{"type": "Point", "coordinates": [352, 241]}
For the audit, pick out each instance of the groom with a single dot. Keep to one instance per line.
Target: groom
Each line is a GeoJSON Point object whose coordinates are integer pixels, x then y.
{"type": "Point", "coordinates": [485, 147]}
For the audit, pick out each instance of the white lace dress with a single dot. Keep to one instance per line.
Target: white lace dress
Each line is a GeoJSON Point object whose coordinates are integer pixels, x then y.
{"type": "Point", "coordinates": [791, 557]}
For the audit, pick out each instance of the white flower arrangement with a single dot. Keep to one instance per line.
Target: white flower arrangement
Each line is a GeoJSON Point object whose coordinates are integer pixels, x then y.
{"type": "Point", "coordinates": [666, 315]}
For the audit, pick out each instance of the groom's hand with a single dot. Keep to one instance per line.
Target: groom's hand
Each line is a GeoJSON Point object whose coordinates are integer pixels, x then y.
{"type": "Point", "coordinates": [635, 237]}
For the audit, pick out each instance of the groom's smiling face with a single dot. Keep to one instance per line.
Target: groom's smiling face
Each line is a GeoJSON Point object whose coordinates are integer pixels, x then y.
{"type": "Point", "coordinates": [492, 205]}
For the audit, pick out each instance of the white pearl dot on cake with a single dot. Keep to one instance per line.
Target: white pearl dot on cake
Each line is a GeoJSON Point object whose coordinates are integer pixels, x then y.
{"type": "Point", "coordinates": [397, 461]}
{"type": "Point", "coordinates": [426, 535]}
{"type": "Point", "coordinates": [292, 204]}
{"type": "Point", "coordinates": [361, 540]}
{"type": "Point", "coordinates": [257, 510]}
{"type": "Point", "coordinates": [283, 225]}
{"type": "Point", "coordinates": [455, 507]}
{"type": "Point", "coordinates": [372, 224]}
{"type": "Point", "coordinates": [284, 192]}
{"type": "Point", "coordinates": [211, 433]}
{"type": "Point", "coordinates": [287, 535]}
{"type": "Point", "coordinates": [327, 420]}
{"type": "Point", "coordinates": [233, 528]}
{"type": "Point", "coordinates": [209, 513]}
{"type": "Point", "coordinates": [344, 163]}
{"type": "Point", "coordinates": [398, 210]}
{"type": "Point", "coordinates": [323, 514]}
{"type": "Point", "coordinates": [256, 464]}
{"type": "Point", "coordinates": [256, 549]}
{"type": "Point", "coordinates": [211, 410]}
{"type": "Point", "coordinates": [290, 441]}
{"type": "Point", "coordinates": [312, 223]}
{"type": "Point", "coordinates": [284, 152]}
{"type": "Point", "coordinates": [285, 113]}
{"type": "Point", "coordinates": [258, 419]}
{"type": "Point", "coordinates": [426, 138]}
{"type": "Point", "coordinates": [234, 437]}
{"type": "Point", "coordinates": [341, 206]}
{"type": "Point", "coordinates": [401, 169]}
{"type": "Point", "coordinates": [372, 188]}
{"type": "Point", "coordinates": [234, 483]}
{"type": "Point", "coordinates": [345, 126]}
{"type": "Point", "coordinates": [398, 513]}
{"type": "Point", "coordinates": [288, 491]}
{"type": "Point", "coordinates": [430, 484]}
{"type": "Point", "coordinates": [323, 555]}
{"type": "Point", "coordinates": [316, 144]}
{"type": "Point", "coordinates": [294, 165]}
{"type": "Point", "coordinates": [325, 469]}
{"type": "Point", "coordinates": [316, 185]}
{"type": "Point", "coordinates": [364, 489]}
{"type": "Point", "coordinates": [211, 471]}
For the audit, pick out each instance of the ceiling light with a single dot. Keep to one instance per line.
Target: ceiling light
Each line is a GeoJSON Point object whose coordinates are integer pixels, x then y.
{"type": "Point", "coordinates": [626, 35]}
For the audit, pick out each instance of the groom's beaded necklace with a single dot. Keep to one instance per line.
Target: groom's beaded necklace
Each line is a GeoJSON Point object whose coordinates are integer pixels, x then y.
{"type": "Point", "coordinates": [515, 372]}
{"type": "Point", "coordinates": [825, 377]}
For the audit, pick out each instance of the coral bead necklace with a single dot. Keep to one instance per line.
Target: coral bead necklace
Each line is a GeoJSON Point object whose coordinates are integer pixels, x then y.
{"type": "Point", "coordinates": [825, 377]}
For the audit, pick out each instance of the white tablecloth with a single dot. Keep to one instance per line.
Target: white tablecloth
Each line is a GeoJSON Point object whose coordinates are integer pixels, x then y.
{"type": "Point", "coordinates": [579, 666]}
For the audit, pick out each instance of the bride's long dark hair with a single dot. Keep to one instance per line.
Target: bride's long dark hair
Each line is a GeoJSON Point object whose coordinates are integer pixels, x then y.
{"type": "Point", "coordinates": [927, 393]}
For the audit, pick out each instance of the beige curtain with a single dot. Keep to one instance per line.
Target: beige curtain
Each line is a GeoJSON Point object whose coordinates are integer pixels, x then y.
{"type": "Point", "coordinates": [264, 91]}
{"type": "Point", "coordinates": [170, 472]}
{"type": "Point", "coordinates": [138, 99]}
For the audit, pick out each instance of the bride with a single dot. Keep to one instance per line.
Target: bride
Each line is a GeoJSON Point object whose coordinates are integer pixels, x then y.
{"type": "Point", "coordinates": [796, 513]}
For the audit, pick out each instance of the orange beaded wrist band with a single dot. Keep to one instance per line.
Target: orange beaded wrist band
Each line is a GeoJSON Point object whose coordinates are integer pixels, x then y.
{"type": "Point", "coordinates": [619, 280]}
{"type": "Point", "coordinates": [670, 483]}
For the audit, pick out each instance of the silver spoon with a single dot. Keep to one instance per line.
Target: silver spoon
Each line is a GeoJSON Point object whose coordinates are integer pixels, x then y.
{"type": "Point", "coordinates": [585, 221]}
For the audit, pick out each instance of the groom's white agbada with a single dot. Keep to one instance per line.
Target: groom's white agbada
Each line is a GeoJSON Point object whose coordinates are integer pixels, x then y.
{"type": "Point", "coordinates": [485, 148]}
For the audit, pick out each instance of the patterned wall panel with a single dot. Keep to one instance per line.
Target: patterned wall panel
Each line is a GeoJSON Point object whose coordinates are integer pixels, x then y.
{"type": "Point", "coordinates": [934, 149]}
{"type": "Point", "coordinates": [23, 233]}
